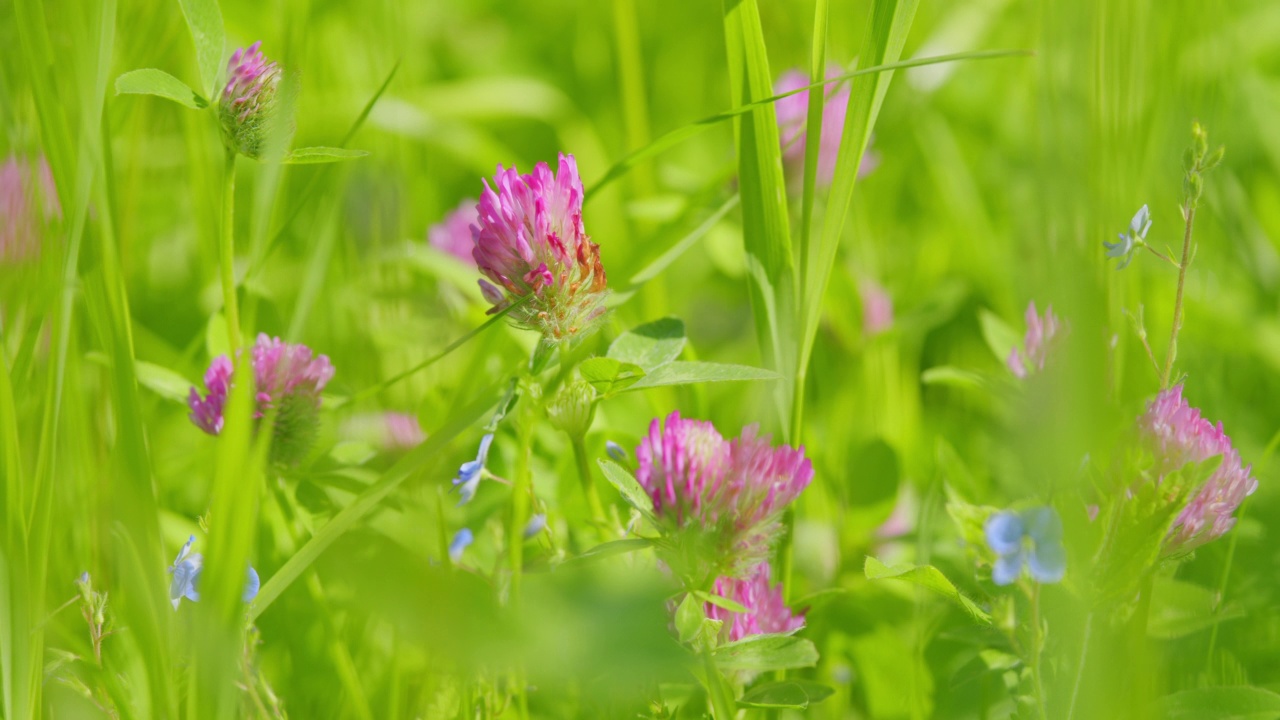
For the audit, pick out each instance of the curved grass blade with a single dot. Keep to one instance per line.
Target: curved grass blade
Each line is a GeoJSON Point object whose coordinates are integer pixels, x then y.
{"type": "Point", "coordinates": [680, 134]}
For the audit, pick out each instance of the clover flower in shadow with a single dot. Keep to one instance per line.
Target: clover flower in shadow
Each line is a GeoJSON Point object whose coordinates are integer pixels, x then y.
{"type": "Point", "coordinates": [1031, 539]}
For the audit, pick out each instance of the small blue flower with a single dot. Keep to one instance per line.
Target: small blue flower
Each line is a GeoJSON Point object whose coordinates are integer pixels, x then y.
{"type": "Point", "coordinates": [1032, 538]}
{"type": "Point", "coordinates": [1130, 241]}
{"type": "Point", "coordinates": [615, 451]}
{"type": "Point", "coordinates": [460, 541]}
{"type": "Point", "coordinates": [469, 474]}
{"type": "Point", "coordinates": [186, 570]}
{"type": "Point", "coordinates": [537, 524]}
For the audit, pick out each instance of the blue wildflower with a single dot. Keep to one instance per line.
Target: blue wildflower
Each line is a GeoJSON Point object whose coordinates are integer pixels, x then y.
{"type": "Point", "coordinates": [615, 451]}
{"type": "Point", "coordinates": [460, 541]}
{"type": "Point", "coordinates": [186, 575]}
{"type": "Point", "coordinates": [469, 474]}
{"type": "Point", "coordinates": [1130, 241]}
{"type": "Point", "coordinates": [536, 524]}
{"type": "Point", "coordinates": [1032, 538]}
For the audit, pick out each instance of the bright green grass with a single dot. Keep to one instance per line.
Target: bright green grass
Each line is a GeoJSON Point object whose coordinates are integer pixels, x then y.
{"type": "Point", "coordinates": [999, 175]}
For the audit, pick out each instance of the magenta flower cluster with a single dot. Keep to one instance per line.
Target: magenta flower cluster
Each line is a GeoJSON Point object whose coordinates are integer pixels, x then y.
{"type": "Point", "coordinates": [453, 233]}
{"type": "Point", "coordinates": [1177, 435]}
{"type": "Point", "coordinates": [287, 378]}
{"type": "Point", "coordinates": [530, 242]}
{"type": "Point", "coordinates": [248, 100]}
{"type": "Point", "coordinates": [28, 200]}
{"type": "Point", "coordinates": [767, 612]}
{"type": "Point", "coordinates": [1038, 343]}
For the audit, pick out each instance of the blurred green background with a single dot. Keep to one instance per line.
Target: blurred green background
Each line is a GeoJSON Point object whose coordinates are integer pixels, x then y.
{"type": "Point", "coordinates": [996, 184]}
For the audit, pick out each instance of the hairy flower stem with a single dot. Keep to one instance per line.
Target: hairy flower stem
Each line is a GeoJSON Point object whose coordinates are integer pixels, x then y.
{"type": "Point", "coordinates": [1084, 654]}
{"type": "Point", "coordinates": [227, 254]}
{"type": "Point", "coordinates": [1037, 650]}
{"type": "Point", "coordinates": [515, 541]}
{"type": "Point", "coordinates": [1177, 305]}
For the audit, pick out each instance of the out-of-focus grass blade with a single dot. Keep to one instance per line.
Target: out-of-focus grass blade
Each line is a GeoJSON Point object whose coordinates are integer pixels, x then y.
{"type": "Point", "coordinates": [813, 133]}
{"type": "Point", "coordinates": [204, 19]}
{"type": "Point", "coordinates": [684, 132]}
{"type": "Point", "coordinates": [765, 228]}
{"type": "Point", "coordinates": [14, 654]}
{"type": "Point", "coordinates": [314, 182]}
{"type": "Point", "coordinates": [421, 457]}
{"type": "Point", "coordinates": [882, 46]}
{"type": "Point", "coordinates": [320, 155]}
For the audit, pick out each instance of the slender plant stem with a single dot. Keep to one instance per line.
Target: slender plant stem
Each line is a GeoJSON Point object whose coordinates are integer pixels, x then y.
{"type": "Point", "coordinates": [515, 539]}
{"type": "Point", "coordinates": [1084, 654]}
{"type": "Point", "coordinates": [227, 254]}
{"type": "Point", "coordinates": [588, 482]}
{"type": "Point", "coordinates": [1222, 590]}
{"type": "Point", "coordinates": [721, 707]}
{"type": "Point", "coordinates": [1177, 305]}
{"type": "Point", "coordinates": [1037, 649]}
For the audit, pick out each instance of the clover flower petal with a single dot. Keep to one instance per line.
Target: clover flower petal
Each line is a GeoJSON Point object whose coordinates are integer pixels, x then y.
{"type": "Point", "coordinates": [28, 201]}
{"type": "Point", "coordinates": [767, 611]}
{"type": "Point", "coordinates": [453, 233]}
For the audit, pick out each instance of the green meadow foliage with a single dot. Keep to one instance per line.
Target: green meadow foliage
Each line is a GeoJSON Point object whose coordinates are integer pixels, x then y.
{"type": "Point", "coordinates": [874, 359]}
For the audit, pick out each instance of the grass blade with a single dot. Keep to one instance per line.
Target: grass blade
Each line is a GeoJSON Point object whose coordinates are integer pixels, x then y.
{"type": "Point", "coordinates": [204, 19]}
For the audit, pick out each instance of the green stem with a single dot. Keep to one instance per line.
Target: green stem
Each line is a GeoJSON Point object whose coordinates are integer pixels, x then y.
{"type": "Point", "coordinates": [721, 706]}
{"type": "Point", "coordinates": [588, 482]}
{"type": "Point", "coordinates": [1084, 653]}
{"type": "Point", "coordinates": [515, 540]}
{"type": "Point", "coordinates": [1037, 649]}
{"type": "Point", "coordinates": [1222, 590]}
{"type": "Point", "coordinates": [227, 254]}
{"type": "Point", "coordinates": [1177, 305]}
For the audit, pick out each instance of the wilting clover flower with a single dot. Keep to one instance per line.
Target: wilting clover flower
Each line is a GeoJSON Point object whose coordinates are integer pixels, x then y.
{"type": "Point", "coordinates": [1177, 435]}
{"type": "Point", "coordinates": [453, 233]}
{"type": "Point", "coordinates": [186, 570]}
{"type": "Point", "coordinates": [28, 200]}
{"type": "Point", "coordinates": [793, 115]}
{"type": "Point", "coordinates": [1031, 538]}
{"type": "Point", "coordinates": [470, 473]}
{"type": "Point", "coordinates": [460, 542]}
{"type": "Point", "coordinates": [249, 100]}
{"type": "Point", "coordinates": [733, 489]}
{"type": "Point", "coordinates": [767, 612]}
{"type": "Point", "coordinates": [1037, 343]}
{"type": "Point", "coordinates": [287, 379]}
{"type": "Point", "coordinates": [529, 240]}
{"type": "Point", "coordinates": [1132, 240]}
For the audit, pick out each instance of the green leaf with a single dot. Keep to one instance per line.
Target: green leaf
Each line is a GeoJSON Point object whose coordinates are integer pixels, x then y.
{"type": "Point", "coordinates": [926, 576]}
{"type": "Point", "coordinates": [352, 452]}
{"type": "Point", "coordinates": [650, 345]}
{"type": "Point", "coordinates": [611, 548]}
{"type": "Point", "coordinates": [683, 372]}
{"type": "Point", "coordinates": [1222, 703]}
{"type": "Point", "coordinates": [797, 694]}
{"type": "Point", "coordinates": [163, 381]}
{"type": "Point", "coordinates": [609, 376]}
{"type": "Point", "coordinates": [631, 491]}
{"type": "Point", "coordinates": [317, 155]}
{"type": "Point", "coordinates": [999, 336]}
{"type": "Point", "coordinates": [718, 601]}
{"type": "Point", "coordinates": [760, 653]}
{"type": "Point", "coordinates": [1180, 608]}
{"type": "Point", "coordinates": [948, 376]}
{"type": "Point", "coordinates": [204, 20]}
{"type": "Point", "coordinates": [150, 81]}
{"type": "Point", "coordinates": [689, 617]}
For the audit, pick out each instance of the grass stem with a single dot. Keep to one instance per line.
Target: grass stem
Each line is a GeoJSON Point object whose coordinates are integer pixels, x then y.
{"type": "Point", "coordinates": [227, 254]}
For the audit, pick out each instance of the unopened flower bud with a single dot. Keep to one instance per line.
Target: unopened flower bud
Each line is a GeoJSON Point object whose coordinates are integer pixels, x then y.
{"type": "Point", "coordinates": [573, 408]}
{"type": "Point", "coordinates": [249, 100]}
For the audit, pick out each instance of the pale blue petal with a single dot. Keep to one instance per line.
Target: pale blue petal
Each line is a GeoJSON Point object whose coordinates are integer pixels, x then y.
{"type": "Point", "coordinates": [1004, 533]}
{"type": "Point", "coordinates": [251, 585]}
{"type": "Point", "coordinates": [615, 451]}
{"type": "Point", "coordinates": [1043, 525]}
{"type": "Point", "coordinates": [1007, 568]}
{"type": "Point", "coordinates": [1048, 562]}
{"type": "Point", "coordinates": [460, 541]}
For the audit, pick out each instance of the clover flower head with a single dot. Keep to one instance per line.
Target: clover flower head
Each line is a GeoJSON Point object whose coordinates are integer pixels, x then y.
{"type": "Point", "coordinates": [1130, 241]}
{"type": "Point", "coordinates": [767, 612]}
{"type": "Point", "coordinates": [471, 472]}
{"type": "Point", "coordinates": [739, 488]}
{"type": "Point", "coordinates": [1037, 344]}
{"type": "Point", "coordinates": [287, 378]}
{"type": "Point", "coordinates": [793, 115]}
{"type": "Point", "coordinates": [249, 100]}
{"type": "Point", "coordinates": [460, 542]}
{"type": "Point", "coordinates": [530, 242]}
{"type": "Point", "coordinates": [28, 201]}
{"type": "Point", "coordinates": [1177, 434]}
{"type": "Point", "coordinates": [877, 308]}
{"type": "Point", "coordinates": [453, 233]}
{"type": "Point", "coordinates": [1032, 539]}
{"type": "Point", "coordinates": [186, 569]}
